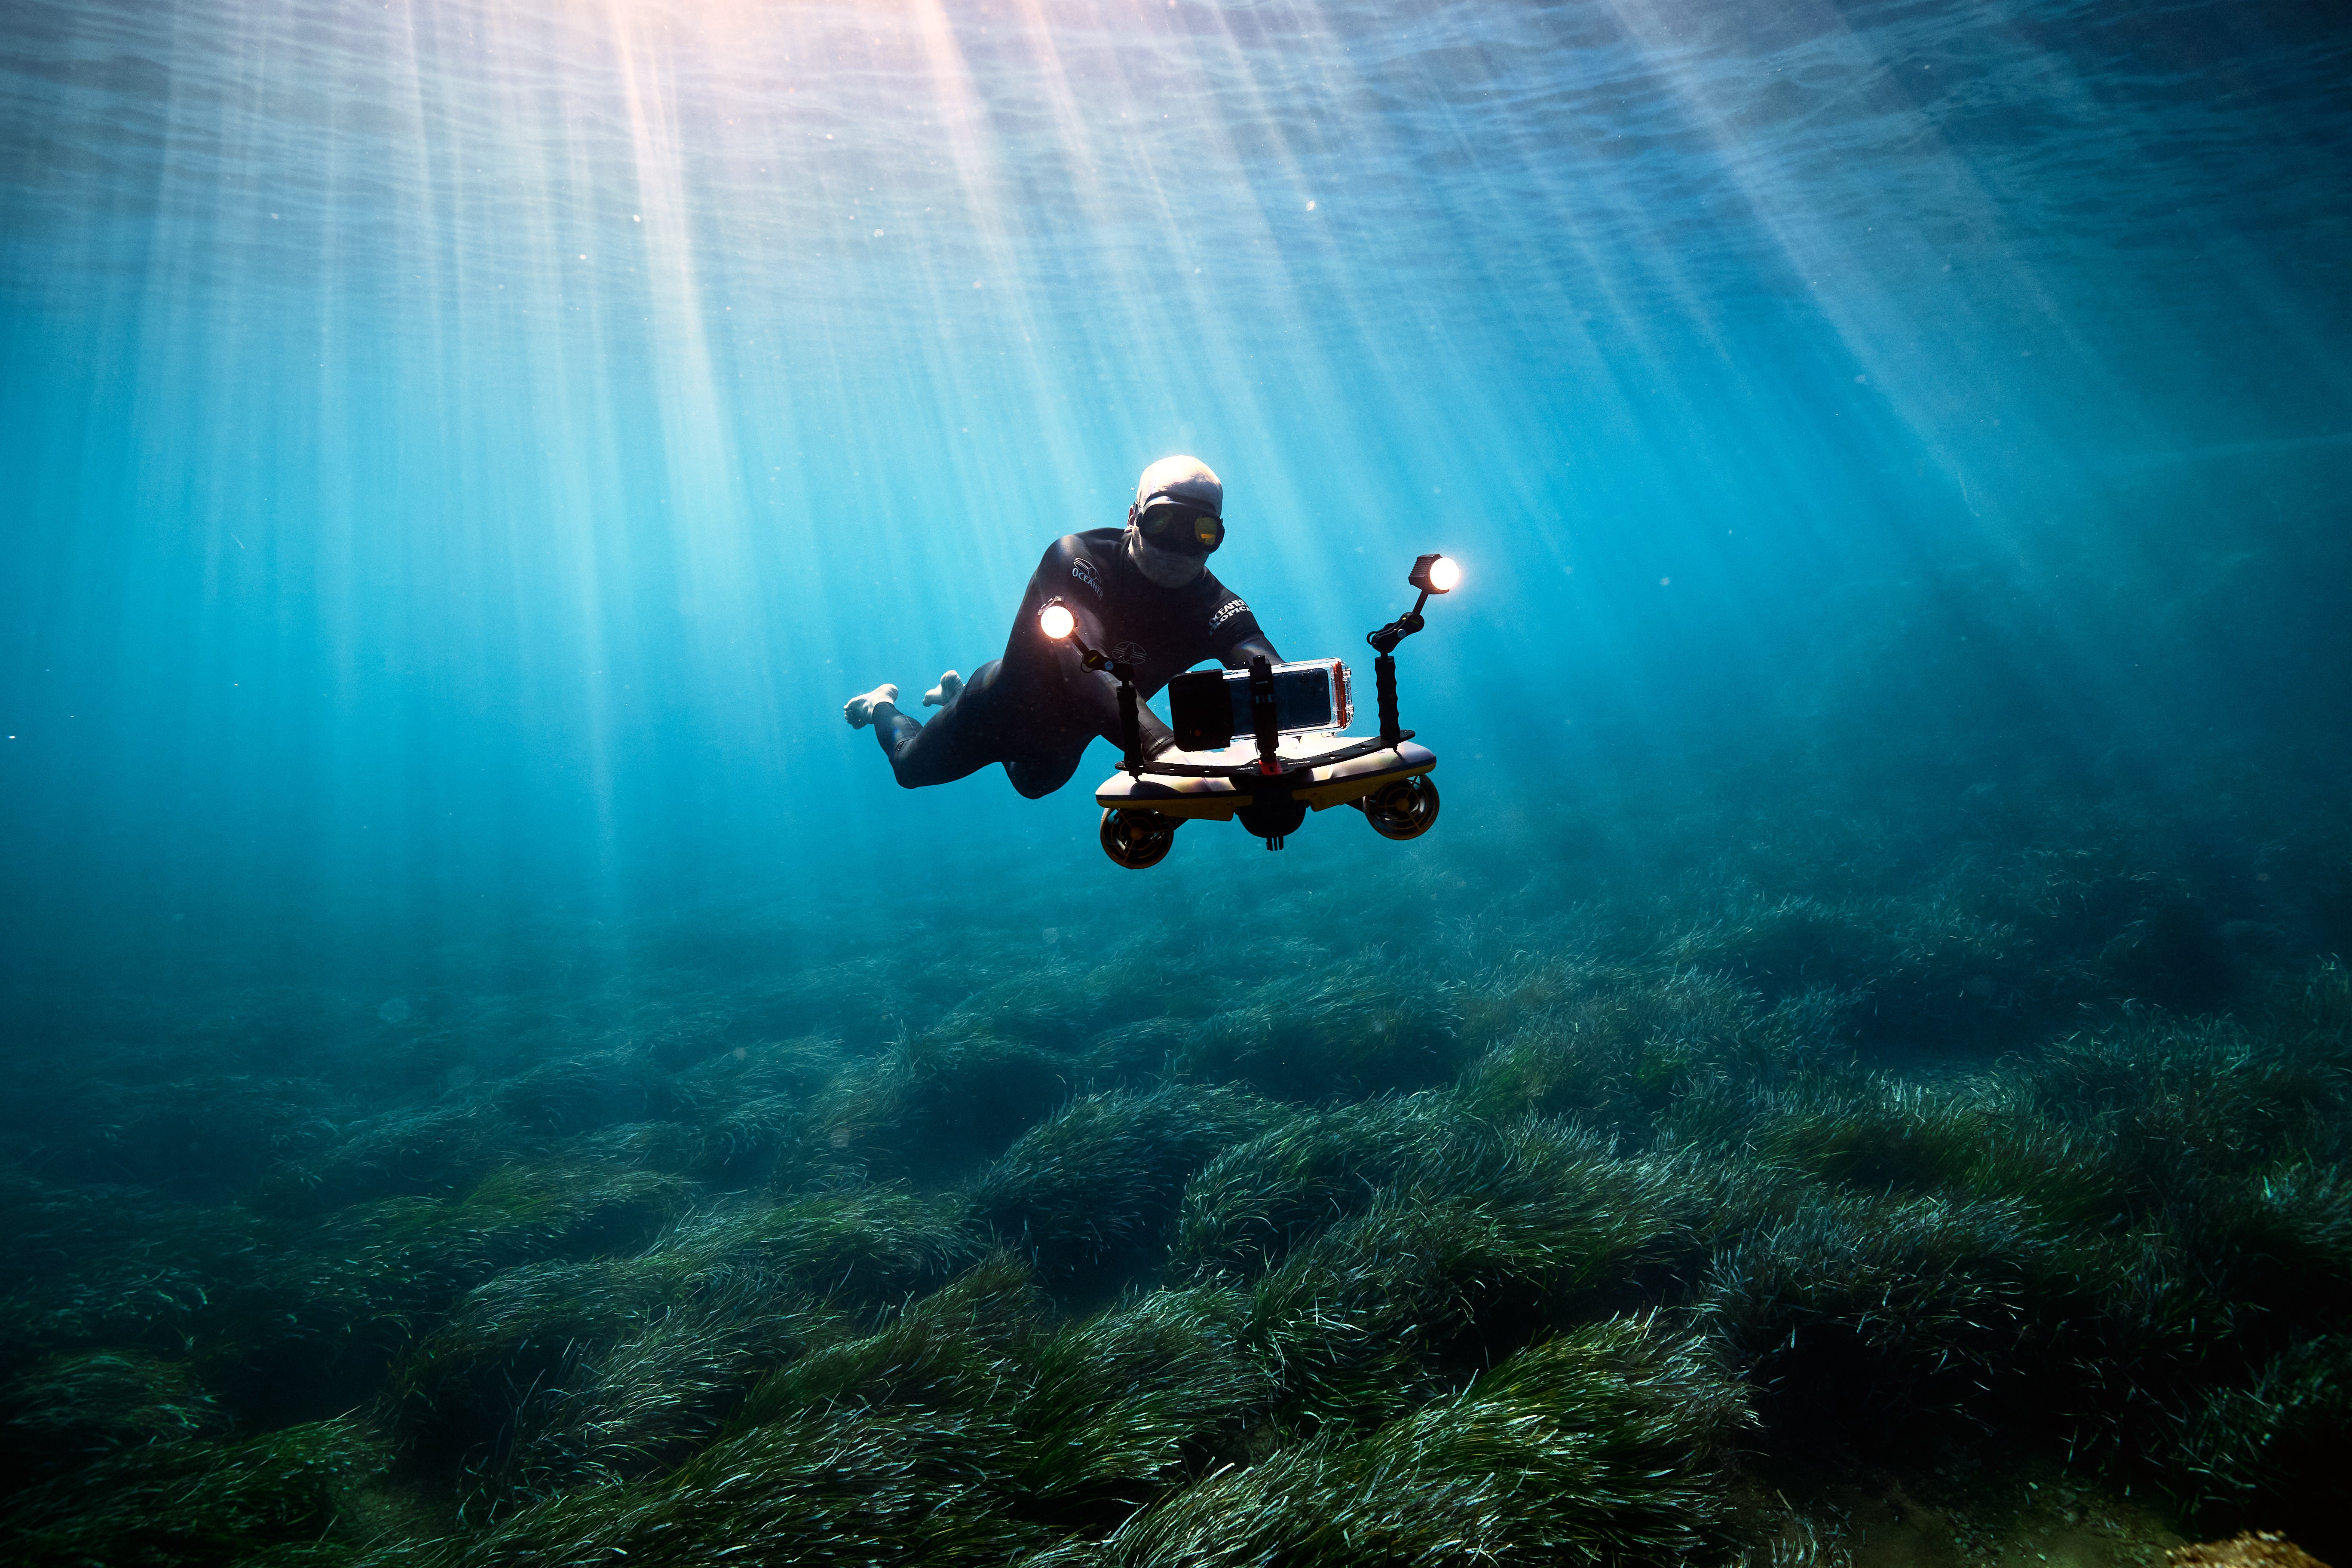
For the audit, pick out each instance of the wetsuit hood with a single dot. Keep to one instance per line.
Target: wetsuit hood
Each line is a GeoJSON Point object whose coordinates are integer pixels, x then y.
{"type": "Point", "coordinates": [1186, 479]}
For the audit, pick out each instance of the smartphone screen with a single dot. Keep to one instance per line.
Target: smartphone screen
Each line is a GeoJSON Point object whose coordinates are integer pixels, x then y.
{"type": "Point", "coordinates": [1302, 698]}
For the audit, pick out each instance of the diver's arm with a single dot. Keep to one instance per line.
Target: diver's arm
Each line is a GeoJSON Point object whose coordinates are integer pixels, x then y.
{"type": "Point", "coordinates": [1095, 692]}
{"type": "Point", "coordinates": [1253, 646]}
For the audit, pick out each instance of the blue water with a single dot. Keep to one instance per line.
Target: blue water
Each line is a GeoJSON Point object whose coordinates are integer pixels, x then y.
{"type": "Point", "coordinates": [462, 455]}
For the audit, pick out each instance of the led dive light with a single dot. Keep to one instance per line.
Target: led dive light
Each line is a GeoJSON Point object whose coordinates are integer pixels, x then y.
{"type": "Point", "coordinates": [1435, 573]}
{"type": "Point", "coordinates": [1060, 625]}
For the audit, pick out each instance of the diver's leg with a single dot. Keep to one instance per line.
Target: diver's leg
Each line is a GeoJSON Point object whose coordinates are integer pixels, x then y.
{"type": "Point", "coordinates": [962, 739]}
{"type": "Point", "coordinates": [1040, 773]}
{"type": "Point", "coordinates": [949, 688]}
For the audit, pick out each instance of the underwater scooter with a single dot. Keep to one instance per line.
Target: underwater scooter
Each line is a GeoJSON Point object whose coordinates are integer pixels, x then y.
{"type": "Point", "coordinates": [1296, 760]}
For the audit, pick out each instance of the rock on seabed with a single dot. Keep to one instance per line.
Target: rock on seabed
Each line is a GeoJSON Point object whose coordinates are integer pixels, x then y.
{"type": "Point", "coordinates": [2252, 1549]}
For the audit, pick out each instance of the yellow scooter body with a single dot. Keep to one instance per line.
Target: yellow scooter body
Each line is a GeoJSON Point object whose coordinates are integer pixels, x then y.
{"type": "Point", "coordinates": [1216, 799]}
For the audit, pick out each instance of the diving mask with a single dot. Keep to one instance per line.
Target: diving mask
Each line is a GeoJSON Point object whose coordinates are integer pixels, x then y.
{"type": "Point", "coordinates": [1187, 530]}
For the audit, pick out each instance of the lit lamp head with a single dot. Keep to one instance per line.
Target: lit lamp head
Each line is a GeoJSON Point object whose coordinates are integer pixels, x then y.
{"type": "Point", "coordinates": [1431, 573]}
{"type": "Point", "coordinates": [1435, 573]}
{"type": "Point", "coordinates": [1057, 622]}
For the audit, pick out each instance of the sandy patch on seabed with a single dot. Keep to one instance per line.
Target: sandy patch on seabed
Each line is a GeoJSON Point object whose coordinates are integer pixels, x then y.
{"type": "Point", "coordinates": [2036, 1524]}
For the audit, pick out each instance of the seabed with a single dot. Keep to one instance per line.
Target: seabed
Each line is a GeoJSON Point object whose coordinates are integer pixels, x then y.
{"type": "Point", "coordinates": [1990, 1214]}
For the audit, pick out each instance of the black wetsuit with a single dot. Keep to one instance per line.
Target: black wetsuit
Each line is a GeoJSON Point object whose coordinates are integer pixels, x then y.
{"type": "Point", "coordinates": [1035, 708]}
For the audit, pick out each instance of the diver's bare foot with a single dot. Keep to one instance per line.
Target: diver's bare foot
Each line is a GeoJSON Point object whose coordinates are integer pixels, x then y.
{"type": "Point", "coordinates": [949, 688]}
{"type": "Point", "coordinates": [859, 709]}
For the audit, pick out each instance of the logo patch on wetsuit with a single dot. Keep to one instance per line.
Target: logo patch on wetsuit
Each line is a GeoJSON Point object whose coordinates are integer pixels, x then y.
{"type": "Point", "coordinates": [1226, 612]}
{"type": "Point", "coordinates": [1129, 652]}
{"type": "Point", "coordinates": [1083, 571]}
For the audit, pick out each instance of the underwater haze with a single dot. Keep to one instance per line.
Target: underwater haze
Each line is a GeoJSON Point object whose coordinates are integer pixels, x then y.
{"type": "Point", "coordinates": [496, 1072]}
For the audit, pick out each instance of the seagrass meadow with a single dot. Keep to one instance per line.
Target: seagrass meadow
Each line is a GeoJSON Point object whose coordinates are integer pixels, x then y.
{"type": "Point", "coordinates": [494, 1074]}
{"type": "Point", "coordinates": [1616, 1197]}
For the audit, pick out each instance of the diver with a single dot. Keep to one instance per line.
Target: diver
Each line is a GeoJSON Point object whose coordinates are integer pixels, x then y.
{"type": "Point", "coordinates": [1143, 594]}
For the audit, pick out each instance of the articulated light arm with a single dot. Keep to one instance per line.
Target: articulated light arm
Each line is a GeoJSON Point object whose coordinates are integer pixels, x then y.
{"type": "Point", "coordinates": [1060, 625]}
{"type": "Point", "coordinates": [1431, 573]}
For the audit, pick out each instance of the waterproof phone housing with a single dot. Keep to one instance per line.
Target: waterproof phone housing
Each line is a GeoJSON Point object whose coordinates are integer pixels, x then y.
{"type": "Point", "coordinates": [1208, 707]}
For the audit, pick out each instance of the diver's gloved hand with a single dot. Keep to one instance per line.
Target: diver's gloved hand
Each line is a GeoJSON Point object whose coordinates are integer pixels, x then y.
{"type": "Point", "coordinates": [859, 709]}
{"type": "Point", "coordinates": [949, 688]}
